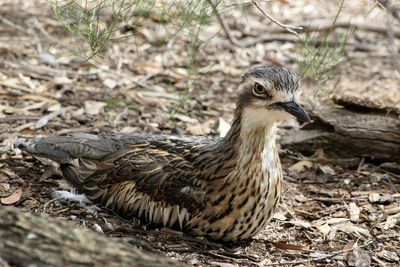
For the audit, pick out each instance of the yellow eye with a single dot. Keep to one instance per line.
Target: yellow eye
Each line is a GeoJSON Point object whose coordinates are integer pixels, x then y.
{"type": "Point", "coordinates": [258, 90]}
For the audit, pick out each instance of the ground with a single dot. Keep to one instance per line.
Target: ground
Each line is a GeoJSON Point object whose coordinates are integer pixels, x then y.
{"type": "Point", "coordinates": [140, 85]}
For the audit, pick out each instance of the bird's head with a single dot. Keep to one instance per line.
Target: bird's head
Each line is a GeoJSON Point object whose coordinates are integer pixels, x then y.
{"type": "Point", "coordinates": [269, 94]}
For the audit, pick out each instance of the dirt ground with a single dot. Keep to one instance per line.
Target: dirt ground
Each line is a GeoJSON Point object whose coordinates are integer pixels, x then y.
{"type": "Point", "coordinates": [146, 83]}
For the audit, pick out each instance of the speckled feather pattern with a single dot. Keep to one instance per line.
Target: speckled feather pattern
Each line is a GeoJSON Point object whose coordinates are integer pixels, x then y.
{"type": "Point", "coordinates": [225, 189]}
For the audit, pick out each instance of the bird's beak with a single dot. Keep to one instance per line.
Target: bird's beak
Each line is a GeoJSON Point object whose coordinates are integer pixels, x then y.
{"type": "Point", "coordinates": [295, 109]}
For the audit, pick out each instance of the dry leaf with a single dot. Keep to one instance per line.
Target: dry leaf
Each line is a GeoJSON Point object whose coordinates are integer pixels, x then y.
{"type": "Point", "coordinates": [301, 166]}
{"type": "Point", "coordinates": [54, 106]}
{"type": "Point", "coordinates": [302, 224]}
{"type": "Point", "coordinates": [389, 255]}
{"type": "Point", "coordinates": [354, 212]}
{"type": "Point", "coordinates": [59, 82]}
{"type": "Point", "coordinates": [378, 198]}
{"type": "Point", "coordinates": [109, 83]}
{"type": "Point", "coordinates": [374, 197]}
{"type": "Point", "coordinates": [324, 229]}
{"type": "Point", "coordinates": [357, 257]}
{"type": "Point", "coordinates": [94, 107]}
{"type": "Point", "coordinates": [279, 216]}
{"type": "Point", "coordinates": [195, 128]}
{"type": "Point", "coordinates": [354, 230]}
{"type": "Point", "coordinates": [392, 210]}
{"type": "Point", "coordinates": [45, 119]}
{"type": "Point", "coordinates": [327, 170]}
{"type": "Point", "coordinates": [223, 127]}
{"type": "Point", "coordinates": [13, 198]}
{"type": "Point", "coordinates": [392, 221]}
{"type": "Point", "coordinates": [300, 198]}
{"type": "Point", "coordinates": [185, 118]}
{"type": "Point", "coordinates": [4, 186]}
{"type": "Point", "coordinates": [286, 246]}
{"type": "Point", "coordinates": [319, 154]}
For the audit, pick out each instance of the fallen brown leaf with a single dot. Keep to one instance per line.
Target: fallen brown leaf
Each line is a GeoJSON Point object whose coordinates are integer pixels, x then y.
{"type": "Point", "coordinates": [13, 198]}
{"type": "Point", "coordinates": [301, 166]}
{"type": "Point", "coordinates": [359, 257]}
{"type": "Point", "coordinates": [286, 246]}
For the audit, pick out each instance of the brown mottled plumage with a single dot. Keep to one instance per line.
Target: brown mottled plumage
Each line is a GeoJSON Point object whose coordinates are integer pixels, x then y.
{"type": "Point", "coordinates": [225, 189]}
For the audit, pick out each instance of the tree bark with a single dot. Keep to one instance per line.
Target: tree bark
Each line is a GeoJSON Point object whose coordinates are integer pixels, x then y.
{"type": "Point", "coordinates": [355, 130]}
{"type": "Point", "coordinates": [31, 240]}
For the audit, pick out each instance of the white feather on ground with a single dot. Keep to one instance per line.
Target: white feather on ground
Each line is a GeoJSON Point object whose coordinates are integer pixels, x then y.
{"type": "Point", "coordinates": [71, 196]}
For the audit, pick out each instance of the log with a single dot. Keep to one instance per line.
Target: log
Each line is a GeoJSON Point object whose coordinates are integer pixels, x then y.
{"type": "Point", "coordinates": [30, 240]}
{"type": "Point", "coordinates": [355, 129]}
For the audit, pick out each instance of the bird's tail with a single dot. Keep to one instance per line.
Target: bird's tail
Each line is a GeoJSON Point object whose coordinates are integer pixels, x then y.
{"type": "Point", "coordinates": [77, 155]}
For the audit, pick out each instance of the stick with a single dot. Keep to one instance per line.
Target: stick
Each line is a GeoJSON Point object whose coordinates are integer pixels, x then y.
{"type": "Point", "coordinates": [222, 23]}
{"type": "Point", "coordinates": [322, 25]}
{"type": "Point", "coordinates": [394, 10]}
{"type": "Point", "coordinates": [390, 34]}
{"type": "Point", "coordinates": [287, 27]}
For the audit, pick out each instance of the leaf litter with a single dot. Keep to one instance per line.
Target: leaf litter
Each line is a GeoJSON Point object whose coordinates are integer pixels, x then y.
{"type": "Point", "coordinates": [144, 88]}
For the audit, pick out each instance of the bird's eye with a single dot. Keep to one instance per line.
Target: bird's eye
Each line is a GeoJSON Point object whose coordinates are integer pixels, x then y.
{"type": "Point", "coordinates": [258, 90]}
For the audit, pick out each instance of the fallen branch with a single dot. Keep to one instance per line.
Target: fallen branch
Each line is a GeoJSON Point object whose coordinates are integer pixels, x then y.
{"type": "Point", "coordinates": [358, 129]}
{"type": "Point", "coordinates": [28, 239]}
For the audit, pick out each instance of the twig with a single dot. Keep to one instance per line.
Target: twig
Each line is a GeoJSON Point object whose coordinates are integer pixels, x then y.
{"type": "Point", "coordinates": [316, 259]}
{"type": "Point", "coordinates": [222, 23]}
{"type": "Point", "coordinates": [11, 24]}
{"type": "Point", "coordinates": [391, 36]}
{"type": "Point", "coordinates": [231, 256]}
{"type": "Point", "coordinates": [289, 28]}
{"type": "Point", "coordinates": [284, 37]}
{"type": "Point", "coordinates": [393, 9]}
{"type": "Point", "coordinates": [322, 25]}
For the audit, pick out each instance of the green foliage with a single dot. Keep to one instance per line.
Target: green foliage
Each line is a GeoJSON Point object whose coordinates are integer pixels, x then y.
{"type": "Point", "coordinates": [321, 54]}
{"type": "Point", "coordinates": [97, 23]}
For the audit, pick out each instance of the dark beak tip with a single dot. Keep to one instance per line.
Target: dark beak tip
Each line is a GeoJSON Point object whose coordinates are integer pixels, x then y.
{"type": "Point", "coordinates": [306, 118]}
{"type": "Point", "coordinates": [296, 110]}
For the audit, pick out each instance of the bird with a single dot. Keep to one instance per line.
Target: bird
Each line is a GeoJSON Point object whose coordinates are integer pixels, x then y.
{"type": "Point", "coordinates": [225, 189]}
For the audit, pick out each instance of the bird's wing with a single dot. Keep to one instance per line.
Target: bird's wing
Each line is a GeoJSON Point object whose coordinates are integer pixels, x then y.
{"type": "Point", "coordinates": [161, 176]}
{"type": "Point", "coordinates": [113, 167]}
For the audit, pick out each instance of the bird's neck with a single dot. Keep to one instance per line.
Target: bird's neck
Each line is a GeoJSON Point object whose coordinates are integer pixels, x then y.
{"type": "Point", "coordinates": [251, 135]}
{"type": "Point", "coordinates": [250, 144]}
